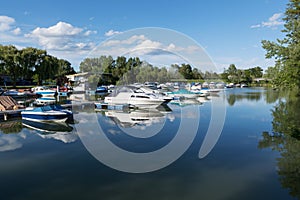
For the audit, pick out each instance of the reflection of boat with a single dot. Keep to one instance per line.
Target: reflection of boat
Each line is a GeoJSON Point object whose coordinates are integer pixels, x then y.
{"type": "Point", "coordinates": [129, 95]}
{"type": "Point", "coordinates": [48, 126]}
{"type": "Point", "coordinates": [52, 130]}
{"type": "Point", "coordinates": [17, 94]}
{"type": "Point", "coordinates": [186, 102]}
{"type": "Point", "coordinates": [14, 93]}
{"type": "Point", "coordinates": [44, 91]}
{"type": "Point", "coordinates": [136, 117]}
{"type": "Point", "coordinates": [46, 113]}
{"type": "Point", "coordinates": [45, 101]}
{"type": "Point", "coordinates": [203, 99]}
{"type": "Point", "coordinates": [101, 90]}
{"type": "Point", "coordinates": [183, 93]}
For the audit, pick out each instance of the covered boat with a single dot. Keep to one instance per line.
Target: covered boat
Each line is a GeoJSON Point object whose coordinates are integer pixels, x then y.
{"type": "Point", "coordinates": [53, 113]}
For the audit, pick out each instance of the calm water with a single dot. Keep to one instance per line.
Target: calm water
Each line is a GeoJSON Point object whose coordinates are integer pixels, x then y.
{"type": "Point", "coordinates": [247, 160]}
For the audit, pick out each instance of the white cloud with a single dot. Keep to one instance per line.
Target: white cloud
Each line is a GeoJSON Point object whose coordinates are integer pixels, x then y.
{"type": "Point", "coordinates": [149, 44]}
{"type": "Point", "coordinates": [9, 33]}
{"type": "Point", "coordinates": [111, 33]}
{"type": "Point", "coordinates": [16, 31]}
{"type": "Point", "coordinates": [89, 32]}
{"type": "Point", "coordinates": [60, 29]}
{"type": "Point", "coordinates": [130, 41]}
{"type": "Point", "coordinates": [255, 26]}
{"type": "Point", "coordinates": [156, 51]}
{"type": "Point", "coordinates": [9, 142]}
{"type": "Point", "coordinates": [62, 36]}
{"type": "Point", "coordinates": [6, 22]}
{"type": "Point", "coordinates": [273, 22]}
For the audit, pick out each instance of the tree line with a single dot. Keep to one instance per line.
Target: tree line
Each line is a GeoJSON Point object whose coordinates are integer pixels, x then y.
{"type": "Point", "coordinates": [31, 64]}
{"type": "Point", "coordinates": [106, 70]}
{"type": "Point", "coordinates": [234, 75]}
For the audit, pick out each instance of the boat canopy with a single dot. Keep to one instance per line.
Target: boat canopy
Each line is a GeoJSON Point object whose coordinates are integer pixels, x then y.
{"type": "Point", "coordinates": [123, 89]}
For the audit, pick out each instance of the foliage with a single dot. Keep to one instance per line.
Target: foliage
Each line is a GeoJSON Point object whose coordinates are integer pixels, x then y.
{"type": "Point", "coordinates": [286, 51]}
{"type": "Point", "coordinates": [105, 70]}
{"type": "Point", "coordinates": [29, 63]}
{"type": "Point", "coordinates": [285, 138]}
{"type": "Point", "coordinates": [234, 75]}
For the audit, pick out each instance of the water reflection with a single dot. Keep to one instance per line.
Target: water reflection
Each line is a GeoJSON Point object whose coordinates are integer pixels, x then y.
{"type": "Point", "coordinates": [285, 138]}
{"type": "Point", "coordinates": [47, 127]}
{"type": "Point", "coordinates": [137, 123]}
{"type": "Point", "coordinates": [12, 126]}
{"type": "Point", "coordinates": [235, 166]}
{"type": "Point", "coordinates": [236, 95]}
{"type": "Point", "coordinates": [51, 130]}
{"type": "Point", "coordinates": [140, 117]}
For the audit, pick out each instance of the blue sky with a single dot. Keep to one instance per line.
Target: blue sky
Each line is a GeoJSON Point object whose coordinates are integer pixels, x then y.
{"type": "Point", "coordinates": [230, 32]}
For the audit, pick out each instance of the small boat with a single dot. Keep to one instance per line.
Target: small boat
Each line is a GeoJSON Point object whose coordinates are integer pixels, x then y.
{"type": "Point", "coordinates": [45, 101]}
{"type": "Point", "coordinates": [47, 113]}
{"type": "Point", "coordinates": [101, 90]}
{"type": "Point", "coordinates": [43, 91]}
{"type": "Point", "coordinates": [129, 95]}
{"type": "Point", "coordinates": [14, 93]}
{"type": "Point", "coordinates": [161, 95]}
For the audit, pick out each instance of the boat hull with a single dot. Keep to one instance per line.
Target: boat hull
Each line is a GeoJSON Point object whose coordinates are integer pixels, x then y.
{"type": "Point", "coordinates": [46, 93]}
{"type": "Point", "coordinates": [45, 118]}
{"type": "Point", "coordinates": [48, 127]}
{"type": "Point", "coordinates": [46, 114]}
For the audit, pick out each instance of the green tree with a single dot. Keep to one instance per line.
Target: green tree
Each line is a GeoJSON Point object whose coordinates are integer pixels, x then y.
{"type": "Point", "coordinates": [232, 73]}
{"type": "Point", "coordinates": [286, 51]}
{"type": "Point", "coordinates": [46, 69]}
{"type": "Point", "coordinates": [186, 71]}
{"type": "Point", "coordinates": [10, 60]}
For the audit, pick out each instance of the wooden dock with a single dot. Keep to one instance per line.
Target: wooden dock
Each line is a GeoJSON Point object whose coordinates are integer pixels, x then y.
{"type": "Point", "coordinates": [9, 107]}
{"type": "Point", "coordinates": [4, 115]}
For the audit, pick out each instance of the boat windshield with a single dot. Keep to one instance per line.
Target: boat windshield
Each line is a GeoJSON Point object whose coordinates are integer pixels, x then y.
{"type": "Point", "coordinates": [52, 107]}
{"type": "Point", "coordinates": [124, 89]}
{"type": "Point", "coordinates": [46, 108]}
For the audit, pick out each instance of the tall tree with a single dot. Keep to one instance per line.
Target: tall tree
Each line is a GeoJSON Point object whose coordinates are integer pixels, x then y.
{"type": "Point", "coordinates": [287, 51]}
{"type": "Point", "coordinates": [10, 60]}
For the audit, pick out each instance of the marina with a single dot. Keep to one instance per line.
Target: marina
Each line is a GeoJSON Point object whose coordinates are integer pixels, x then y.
{"type": "Point", "coordinates": [120, 100]}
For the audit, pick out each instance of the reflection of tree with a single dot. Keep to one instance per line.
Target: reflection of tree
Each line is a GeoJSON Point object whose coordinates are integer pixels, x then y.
{"type": "Point", "coordinates": [11, 127]}
{"type": "Point", "coordinates": [285, 138]}
{"type": "Point", "coordinates": [231, 99]}
{"type": "Point", "coordinates": [251, 96]}
{"type": "Point", "coordinates": [271, 96]}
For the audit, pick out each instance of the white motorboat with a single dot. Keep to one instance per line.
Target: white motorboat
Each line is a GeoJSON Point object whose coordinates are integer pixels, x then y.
{"type": "Point", "coordinates": [44, 91]}
{"type": "Point", "coordinates": [45, 101]}
{"type": "Point", "coordinates": [54, 113]}
{"type": "Point", "coordinates": [156, 92]}
{"type": "Point", "coordinates": [130, 95]}
{"type": "Point", "coordinates": [183, 93]}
